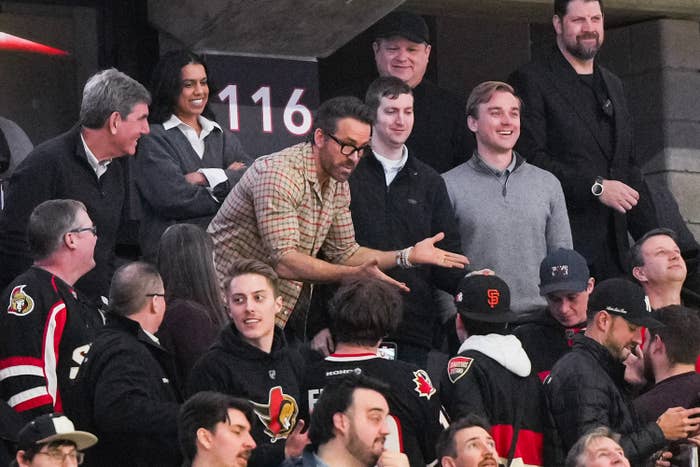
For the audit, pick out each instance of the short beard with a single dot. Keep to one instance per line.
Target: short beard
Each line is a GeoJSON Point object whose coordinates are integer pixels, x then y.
{"type": "Point", "coordinates": [583, 53]}
{"type": "Point", "coordinates": [359, 450]}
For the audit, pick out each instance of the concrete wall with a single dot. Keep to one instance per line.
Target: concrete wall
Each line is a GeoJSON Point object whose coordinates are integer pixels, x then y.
{"type": "Point", "coordinates": [659, 62]}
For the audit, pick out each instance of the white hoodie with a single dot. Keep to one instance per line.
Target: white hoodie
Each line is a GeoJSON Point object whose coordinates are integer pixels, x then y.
{"type": "Point", "coordinates": [506, 350]}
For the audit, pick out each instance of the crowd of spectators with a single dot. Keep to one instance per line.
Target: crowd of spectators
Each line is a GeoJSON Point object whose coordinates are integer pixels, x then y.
{"type": "Point", "coordinates": [562, 345]}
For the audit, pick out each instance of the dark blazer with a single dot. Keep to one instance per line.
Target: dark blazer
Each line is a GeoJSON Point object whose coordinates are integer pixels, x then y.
{"type": "Point", "coordinates": [58, 169]}
{"type": "Point", "coordinates": [561, 135]}
{"type": "Point", "coordinates": [163, 159]}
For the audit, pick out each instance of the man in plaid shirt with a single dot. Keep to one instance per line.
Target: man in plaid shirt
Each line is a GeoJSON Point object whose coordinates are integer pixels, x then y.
{"type": "Point", "coordinates": [293, 206]}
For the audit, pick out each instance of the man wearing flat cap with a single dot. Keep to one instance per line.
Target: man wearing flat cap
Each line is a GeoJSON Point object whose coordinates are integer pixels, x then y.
{"type": "Point", "coordinates": [491, 376]}
{"type": "Point", "coordinates": [52, 440]}
{"type": "Point", "coordinates": [402, 49]}
{"type": "Point", "coordinates": [586, 388]}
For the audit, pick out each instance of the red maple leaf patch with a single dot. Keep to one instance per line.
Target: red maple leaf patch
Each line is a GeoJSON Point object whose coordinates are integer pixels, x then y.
{"type": "Point", "coordinates": [424, 387]}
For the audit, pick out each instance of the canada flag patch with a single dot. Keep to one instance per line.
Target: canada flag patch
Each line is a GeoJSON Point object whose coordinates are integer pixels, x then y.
{"type": "Point", "coordinates": [458, 367]}
{"type": "Point", "coordinates": [424, 387]}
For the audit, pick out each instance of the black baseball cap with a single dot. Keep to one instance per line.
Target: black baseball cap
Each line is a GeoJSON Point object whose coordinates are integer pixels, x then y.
{"type": "Point", "coordinates": [53, 427]}
{"type": "Point", "coordinates": [484, 298]}
{"type": "Point", "coordinates": [621, 297]}
{"type": "Point", "coordinates": [563, 270]}
{"type": "Point", "coordinates": [404, 24]}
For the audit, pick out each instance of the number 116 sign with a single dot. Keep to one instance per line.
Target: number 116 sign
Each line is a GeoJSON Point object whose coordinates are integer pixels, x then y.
{"type": "Point", "coordinates": [268, 102]}
{"type": "Point", "coordinates": [296, 116]}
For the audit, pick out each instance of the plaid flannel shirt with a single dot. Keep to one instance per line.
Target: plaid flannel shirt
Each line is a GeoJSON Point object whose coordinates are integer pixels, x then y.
{"type": "Point", "coordinates": [279, 206]}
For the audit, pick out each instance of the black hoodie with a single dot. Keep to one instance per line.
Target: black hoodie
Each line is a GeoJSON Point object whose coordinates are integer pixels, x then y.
{"type": "Point", "coordinates": [269, 381]}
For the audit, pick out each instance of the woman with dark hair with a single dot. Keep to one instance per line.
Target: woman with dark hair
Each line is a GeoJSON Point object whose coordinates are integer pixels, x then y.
{"type": "Point", "coordinates": [195, 310]}
{"type": "Point", "coordinates": [187, 164]}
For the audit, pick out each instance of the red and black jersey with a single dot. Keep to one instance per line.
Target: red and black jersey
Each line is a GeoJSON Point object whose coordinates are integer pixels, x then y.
{"type": "Point", "coordinates": [492, 377]}
{"type": "Point", "coordinates": [45, 332]}
{"type": "Point", "coordinates": [414, 404]}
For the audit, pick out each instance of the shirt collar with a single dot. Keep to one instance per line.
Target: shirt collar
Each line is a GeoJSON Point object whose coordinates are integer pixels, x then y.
{"type": "Point", "coordinates": [207, 125]}
{"type": "Point", "coordinates": [495, 171]}
{"type": "Point", "coordinates": [97, 165]}
{"type": "Point", "coordinates": [391, 164]}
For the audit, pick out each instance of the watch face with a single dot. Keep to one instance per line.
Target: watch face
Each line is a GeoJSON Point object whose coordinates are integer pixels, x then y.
{"type": "Point", "coordinates": [597, 189]}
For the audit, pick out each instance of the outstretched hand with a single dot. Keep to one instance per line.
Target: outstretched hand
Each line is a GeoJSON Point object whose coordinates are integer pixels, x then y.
{"type": "Point", "coordinates": [425, 252]}
{"type": "Point", "coordinates": [370, 269]}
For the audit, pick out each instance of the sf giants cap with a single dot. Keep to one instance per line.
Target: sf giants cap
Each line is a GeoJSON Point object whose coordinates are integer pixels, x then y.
{"type": "Point", "coordinates": [53, 427]}
{"type": "Point", "coordinates": [402, 24]}
{"type": "Point", "coordinates": [484, 298]}
{"type": "Point", "coordinates": [624, 298]}
{"type": "Point", "coordinates": [563, 270]}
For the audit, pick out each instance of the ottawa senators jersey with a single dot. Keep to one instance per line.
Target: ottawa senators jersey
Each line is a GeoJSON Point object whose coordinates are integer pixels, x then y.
{"type": "Point", "coordinates": [414, 405]}
{"type": "Point", "coordinates": [45, 332]}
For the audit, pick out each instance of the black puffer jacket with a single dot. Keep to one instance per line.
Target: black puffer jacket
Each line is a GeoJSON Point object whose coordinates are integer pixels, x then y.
{"type": "Point", "coordinates": [586, 389]}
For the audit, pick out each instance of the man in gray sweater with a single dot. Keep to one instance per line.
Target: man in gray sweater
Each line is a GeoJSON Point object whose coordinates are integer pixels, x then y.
{"type": "Point", "coordinates": [510, 214]}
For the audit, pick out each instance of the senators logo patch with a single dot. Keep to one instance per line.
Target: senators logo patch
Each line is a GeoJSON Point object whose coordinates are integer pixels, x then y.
{"type": "Point", "coordinates": [21, 304]}
{"type": "Point", "coordinates": [458, 367]}
{"type": "Point", "coordinates": [279, 415]}
{"type": "Point", "coordinates": [424, 387]}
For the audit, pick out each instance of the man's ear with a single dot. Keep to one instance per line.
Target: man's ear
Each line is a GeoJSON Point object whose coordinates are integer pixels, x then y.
{"type": "Point", "coordinates": [639, 274]}
{"type": "Point", "coordinates": [658, 345]}
{"type": "Point", "coordinates": [590, 285]}
{"type": "Point", "coordinates": [319, 137]}
{"type": "Point", "coordinates": [556, 22]}
{"type": "Point", "coordinates": [462, 333]}
{"type": "Point", "coordinates": [447, 461]}
{"type": "Point", "coordinates": [602, 320]}
{"type": "Point", "coordinates": [339, 422]}
{"type": "Point", "coordinates": [375, 47]}
{"type": "Point", "coordinates": [113, 122]}
{"type": "Point", "coordinates": [68, 241]}
{"type": "Point", "coordinates": [204, 438]}
{"type": "Point", "coordinates": [472, 123]}
{"type": "Point", "coordinates": [278, 304]}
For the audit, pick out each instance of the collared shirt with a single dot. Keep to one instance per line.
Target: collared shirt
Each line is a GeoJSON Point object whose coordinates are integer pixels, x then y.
{"type": "Point", "coordinates": [392, 167]}
{"type": "Point", "coordinates": [214, 176]}
{"type": "Point", "coordinates": [151, 336]}
{"type": "Point", "coordinates": [278, 207]}
{"type": "Point", "coordinates": [502, 175]}
{"type": "Point", "coordinates": [100, 167]}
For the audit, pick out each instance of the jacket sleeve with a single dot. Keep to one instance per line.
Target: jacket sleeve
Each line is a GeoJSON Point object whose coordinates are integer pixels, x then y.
{"type": "Point", "coordinates": [161, 182]}
{"type": "Point", "coordinates": [466, 395]}
{"type": "Point", "coordinates": [641, 444]}
{"type": "Point", "coordinates": [33, 182]}
{"type": "Point", "coordinates": [31, 353]}
{"type": "Point", "coordinates": [579, 404]}
{"type": "Point", "coordinates": [122, 403]}
{"type": "Point", "coordinates": [234, 152]}
{"type": "Point", "coordinates": [444, 220]}
{"type": "Point", "coordinates": [558, 230]}
{"type": "Point", "coordinates": [576, 180]}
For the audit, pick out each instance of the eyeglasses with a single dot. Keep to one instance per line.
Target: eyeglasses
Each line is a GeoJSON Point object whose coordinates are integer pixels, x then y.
{"type": "Point", "coordinates": [348, 149]}
{"type": "Point", "coordinates": [60, 457]}
{"type": "Point", "coordinates": [155, 295]}
{"type": "Point", "coordinates": [92, 229]}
